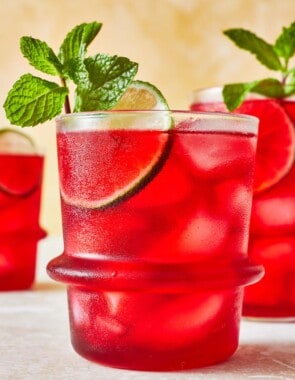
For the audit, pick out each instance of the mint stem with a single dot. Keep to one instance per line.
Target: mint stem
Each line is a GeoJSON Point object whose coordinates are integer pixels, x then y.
{"type": "Point", "coordinates": [67, 105]}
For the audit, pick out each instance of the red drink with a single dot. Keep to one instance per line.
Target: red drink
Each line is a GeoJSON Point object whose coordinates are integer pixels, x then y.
{"type": "Point", "coordinates": [272, 239]}
{"type": "Point", "coordinates": [20, 190]}
{"type": "Point", "coordinates": [156, 271]}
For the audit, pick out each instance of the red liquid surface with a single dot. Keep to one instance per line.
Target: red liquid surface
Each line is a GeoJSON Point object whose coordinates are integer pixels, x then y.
{"type": "Point", "coordinates": [192, 215]}
{"type": "Point", "coordinates": [272, 242]}
{"type": "Point", "coordinates": [20, 189]}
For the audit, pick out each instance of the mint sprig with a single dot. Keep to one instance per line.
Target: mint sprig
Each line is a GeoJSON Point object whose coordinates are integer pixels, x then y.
{"type": "Point", "coordinates": [275, 57]}
{"type": "Point", "coordinates": [100, 80]}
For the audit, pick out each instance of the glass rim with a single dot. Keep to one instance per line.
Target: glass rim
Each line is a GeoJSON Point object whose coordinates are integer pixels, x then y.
{"type": "Point", "coordinates": [201, 115]}
{"type": "Point", "coordinates": [159, 120]}
{"type": "Point", "coordinates": [214, 94]}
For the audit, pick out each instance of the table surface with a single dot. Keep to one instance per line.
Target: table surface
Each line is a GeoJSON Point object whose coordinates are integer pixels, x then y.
{"type": "Point", "coordinates": [35, 342]}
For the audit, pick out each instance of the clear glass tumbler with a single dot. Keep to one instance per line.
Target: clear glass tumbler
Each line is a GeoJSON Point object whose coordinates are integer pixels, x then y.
{"type": "Point", "coordinates": [156, 210]}
{"type": "Point", "coordinates": [20, 196]}
{"type": "Point", "coordinates": [272, 227]}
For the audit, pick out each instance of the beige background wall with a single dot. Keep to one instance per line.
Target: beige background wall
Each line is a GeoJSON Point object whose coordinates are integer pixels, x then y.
{"type": "Point", "coordinates": [178, 44]}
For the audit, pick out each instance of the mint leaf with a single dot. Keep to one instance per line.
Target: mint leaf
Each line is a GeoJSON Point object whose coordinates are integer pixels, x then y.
{"type": "Point", "coordinates": [76, 71]}
{"type": "Point", "coordinates": [285, 43]}
{"type": "Point", "coordinates": [77, 40]}
{"type": "Point", "coordinates": [269, 87]}
{"type": "Point", "coordinates": [33, 100]}
{"type": "Point", "coordinates": [108, 79]}
{"type": "Point", "coordinates": [40, 55]}
{"type": "Point", "coordinates": [104, 70]}
{"type": "Point", "coordinates": [235, 94]}
{"type": "Point", "coordinates": [264, 52]}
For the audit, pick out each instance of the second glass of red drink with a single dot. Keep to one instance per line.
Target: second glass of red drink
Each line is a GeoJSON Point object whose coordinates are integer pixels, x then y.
{"type": "Point", "coordinates": [20, 197]}
{"type": "Point", "coordinates": [272, 241]}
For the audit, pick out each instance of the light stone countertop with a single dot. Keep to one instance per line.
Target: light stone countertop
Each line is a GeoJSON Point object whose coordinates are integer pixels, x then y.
{"type": "Point", "coordinates": [35, 342]}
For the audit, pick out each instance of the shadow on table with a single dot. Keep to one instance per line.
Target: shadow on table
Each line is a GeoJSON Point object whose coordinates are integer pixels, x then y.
{"type": "Point", "coordinates": [267, 360]}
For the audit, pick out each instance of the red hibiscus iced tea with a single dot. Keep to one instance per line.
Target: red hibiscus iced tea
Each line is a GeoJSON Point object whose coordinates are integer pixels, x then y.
{"type": "Point", "coordinates": [20, 192]}
{"type": "Point", "coordinates": [272, 240]}
{"type": "Point", "coordinates": [156, 210]}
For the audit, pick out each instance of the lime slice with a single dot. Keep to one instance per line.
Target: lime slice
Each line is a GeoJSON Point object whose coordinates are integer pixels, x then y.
{"type": "Point", "coordinates": [21, 167]}
{"type": "Point", "coordinates": [111, 165]}
{"type": "Point", "coordinates": [14, 141]}
{"type": "Point", "coordinates": [142, 96]}
{"type": "Point", "coordinates": [120, 156]}
{"type": "Point", "coordinates": [276, 142]}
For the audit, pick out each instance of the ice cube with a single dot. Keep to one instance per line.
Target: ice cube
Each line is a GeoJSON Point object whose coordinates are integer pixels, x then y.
{"type": "Point", "coordinates": [179, 321]}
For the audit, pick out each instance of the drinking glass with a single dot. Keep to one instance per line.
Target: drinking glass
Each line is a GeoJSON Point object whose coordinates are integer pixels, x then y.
{"type": "Point", "coordinates": [156, 209]}
{"type": "Point", "coordinates": [272, 238]}
{"type": "Point", "coordinates": [20, 194]}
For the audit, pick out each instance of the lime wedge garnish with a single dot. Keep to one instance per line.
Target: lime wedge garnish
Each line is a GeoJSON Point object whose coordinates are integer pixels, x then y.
{"type": "Point", "coordinates": [14, 141]}
{"type": "Point", "coordinates": [142, 96]}
{"type": "Point", "coordinates": [145, 97]}
{"type": "Point", "coordinates": [276, 141]}
{"type": "Point", "coordinates": [21, 171]}
{"type": "Point", "coordinates": [116, 165]}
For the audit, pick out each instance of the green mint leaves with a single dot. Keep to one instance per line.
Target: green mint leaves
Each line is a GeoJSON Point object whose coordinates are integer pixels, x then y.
{"type": "Point", "coordinates": [33, 100]}
{"type": "Point", "coordinates": [40, 56]}
{"type": "Point", "coordinates": [100, 80]}
{"type": "Point", "coordinates": [275, 57]}
{"type": "Point", "coordinates": [107, 78]}
{"type": "Point", "coordinates": [76, 42]}
{"type": "Point", "coordinates": [263, 51]}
